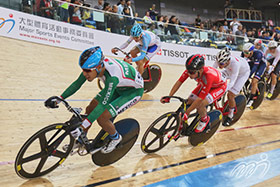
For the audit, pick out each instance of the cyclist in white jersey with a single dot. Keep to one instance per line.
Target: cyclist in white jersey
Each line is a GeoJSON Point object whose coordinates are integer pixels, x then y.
{"type": "Point", "coordinates": [149, 45]}
{"type": "Point", "coordinates": [260, 45]}
{"type": "Point", "coordinates": [274, 62]}
{"type": "Point", "coordinates": [237, 70]}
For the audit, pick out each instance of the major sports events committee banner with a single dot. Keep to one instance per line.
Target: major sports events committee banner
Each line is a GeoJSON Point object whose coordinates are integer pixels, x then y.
{"type": "Point", "coordinates": [22, 26]}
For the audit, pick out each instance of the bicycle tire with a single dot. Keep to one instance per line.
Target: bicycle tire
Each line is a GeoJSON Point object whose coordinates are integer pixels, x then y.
{"type": "Point", "coordinates": [259, 100]}
{"type": "Point", "coordinates": [240, 101]}
{"type": "Point", "coordinates": [46, 151]}
{"type": "Point", "coordinates": [196, 139]}
{"type": "Point", "coordinates": [145, 147]}
{"type": "Point", "coordinates": [276, 91]}
{"type": "Point", "coordinates": [156, 76]}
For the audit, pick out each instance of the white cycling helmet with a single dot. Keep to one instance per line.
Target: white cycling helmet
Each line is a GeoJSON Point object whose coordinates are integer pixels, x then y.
{"type": "Point", "coordinates": [223, 56]}
{"type": "Point", "coordinates": [248, 47]}
{"type": "Point", "coordinates": [272, 44]}
{"type": "Point", "coordinates": [258, 42]}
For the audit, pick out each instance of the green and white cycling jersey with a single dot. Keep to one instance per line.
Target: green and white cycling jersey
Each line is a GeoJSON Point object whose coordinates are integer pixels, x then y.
{"type": "Point", "coordinates": [123, 88]}
{"type": "Point", "coordinates": [126, 75]}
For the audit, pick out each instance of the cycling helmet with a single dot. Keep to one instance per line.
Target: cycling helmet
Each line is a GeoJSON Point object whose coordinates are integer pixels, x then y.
{"type": "Point", "coordinates": [91, 58]}
{"type": "Point", "coordinates": [195, 62]}
{"type": "Point", "coordinates": [248, 47]}
{"type": "Point", "coordinates": [136, 30]}
{"type": "Point", "coordinates": [223, 56]}
{"type": "Point", "coordinates": [272, 44]}
{"type": "Point", "coordinates": [258, 42]}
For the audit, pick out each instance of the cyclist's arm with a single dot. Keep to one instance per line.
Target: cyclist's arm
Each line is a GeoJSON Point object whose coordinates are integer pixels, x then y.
{"type": "Point", "coordinates": [143, 53]}
{"type": "Point", "coordinates": [277, 58]}
{"type": "Point", "coordinates": [110, 87]}
{"type": "Point", "coordinates": [233, 77]}
{"type": "Point", "coordinates": [178, 83]}
{"type": "Point", "coordinates": [123, 46]}
{"type": "Point", "coordinates": [75, 86]}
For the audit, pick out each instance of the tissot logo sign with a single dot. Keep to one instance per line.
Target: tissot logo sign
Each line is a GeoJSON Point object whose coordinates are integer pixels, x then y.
{"type": "Point", "coordinates": [184, 54]}
{"type": "Point", "coordinates": [8, 23]}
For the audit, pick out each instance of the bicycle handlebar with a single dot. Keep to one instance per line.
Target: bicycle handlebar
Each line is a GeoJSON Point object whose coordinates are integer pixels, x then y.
{"type": "Point", "coordinates": [123, 52]}
{"type": "Point", "coordinates": [69, 108]}
{"type": "Point", "coordinates": [176, 97]}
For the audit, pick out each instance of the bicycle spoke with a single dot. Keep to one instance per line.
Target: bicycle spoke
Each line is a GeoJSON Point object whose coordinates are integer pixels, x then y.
{"type": "Point", "coordinates": [165, 124]}
{"type": "Point", "coordinates": [41, 164]}
{"type": "Point", "coordinates": [32, 157]}
{"type": "Point", "coordinates": [161, 141]}
{"type": "Point", "coordinates": [155, 131]}
{"type": "Point", "coordinates": [56, 143]}
{"type": "Point", "coordinates": [170, 129]}
{"type": "Point", "coordinates": [58, 154]}
{"type": "Point", "coordinates": [43, 141]}
{"type": "Point", "coordinates": [153, 141]}
{"type": "Point", "coordinates": [57, 132]}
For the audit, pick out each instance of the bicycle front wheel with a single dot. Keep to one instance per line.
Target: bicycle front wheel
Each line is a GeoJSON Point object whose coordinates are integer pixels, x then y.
{"type": "Point", "coordinates": [160, 132]}
{"type": "Point", "coordinates": [42, 152]}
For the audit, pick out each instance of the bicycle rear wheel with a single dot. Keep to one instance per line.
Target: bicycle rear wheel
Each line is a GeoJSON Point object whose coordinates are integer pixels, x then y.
{"type": "Point", "coordinates": [261, 90]}
{"type": "Point", "coordinates": [42, 152]}
{"type": "Point", "coordinates": [276, 90]}
{"type": "Point", "coordinates": [240, 101]}
{"type": "Point", "coordinates": [155, 77]}
{"type": "Point", "coordinates": [196, 139]}
{"type": "Point", "coordinates": [156, 136]}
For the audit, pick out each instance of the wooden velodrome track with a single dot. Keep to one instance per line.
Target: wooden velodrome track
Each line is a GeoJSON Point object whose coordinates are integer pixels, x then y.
{"type": "Point", "coordinates": [33, 71]}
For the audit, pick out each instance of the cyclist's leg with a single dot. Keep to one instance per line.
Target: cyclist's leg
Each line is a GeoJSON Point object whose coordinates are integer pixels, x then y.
{"type": "Point", "coordinates": [125, 100]}
{"type": "Point", "coordinates": [194, 95]}
{"type": "Point", "coordinates": [274, 75]}
{"type": "Point", "coordinates": [107, 125]}
{"type": "Point", "coordinates": [235, 90]}
{"type": "Point", "coordinates": [256, 79]}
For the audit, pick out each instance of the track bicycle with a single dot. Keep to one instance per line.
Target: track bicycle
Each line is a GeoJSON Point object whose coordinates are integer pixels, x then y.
{"type": "Point", "coordinates": [166, 128]}
{"type": "Point", "coordinates": [48, 148]}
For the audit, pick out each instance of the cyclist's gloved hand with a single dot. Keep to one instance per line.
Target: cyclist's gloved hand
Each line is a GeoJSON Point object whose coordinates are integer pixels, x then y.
{"type": "Point", "coordinates": [77, 132]}
{"type": "Point", "coordinates": [114, 50]}
{"type": "Point", "coordinates": [270, 69]}
{"type": "Point", "coordinates": [165, 100]}
{"type": "Point", "coordinates": [128, 60]}
{"type": "Point", "coordinates": [185, 117]}
{"type": "Point", "coordinates": [52, 102]}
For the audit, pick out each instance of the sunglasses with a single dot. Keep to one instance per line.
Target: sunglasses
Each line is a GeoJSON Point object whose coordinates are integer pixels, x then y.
{"type": "Point", "coordinates": [192, 72]}
{"type": "Point", "coordinates": [246, 52]}
{"type": "Point", "coordinates": [87, 70]}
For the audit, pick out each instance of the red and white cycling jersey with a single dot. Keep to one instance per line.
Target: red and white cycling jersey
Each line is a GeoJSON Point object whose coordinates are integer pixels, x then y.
{"type": "Point", "coordinates": [210, 79]}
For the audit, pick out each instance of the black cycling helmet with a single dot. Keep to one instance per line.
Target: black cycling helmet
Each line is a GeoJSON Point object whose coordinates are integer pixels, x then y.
{"type": "Point", "coordinates": [195, 62]}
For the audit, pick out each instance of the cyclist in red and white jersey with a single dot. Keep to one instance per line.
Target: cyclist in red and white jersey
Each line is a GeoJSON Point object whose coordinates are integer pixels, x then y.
{"type": "Point", "coordinates": [211, 86]}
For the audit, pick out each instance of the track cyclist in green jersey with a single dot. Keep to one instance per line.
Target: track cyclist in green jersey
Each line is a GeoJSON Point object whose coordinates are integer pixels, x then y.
{"type": "Point", "coordinates": [123, 89]}
{"type": "Point", "coordinates": [149, 45]}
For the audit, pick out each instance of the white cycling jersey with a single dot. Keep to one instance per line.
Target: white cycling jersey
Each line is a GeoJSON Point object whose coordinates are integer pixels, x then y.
{"type": "Point", "coordinates": [237, 72]}
{"type": "Point", "coordinates": [275, 55]}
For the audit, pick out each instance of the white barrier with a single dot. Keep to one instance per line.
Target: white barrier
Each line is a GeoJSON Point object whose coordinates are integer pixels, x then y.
{"type": "Point", "coordinates": [22, 26]}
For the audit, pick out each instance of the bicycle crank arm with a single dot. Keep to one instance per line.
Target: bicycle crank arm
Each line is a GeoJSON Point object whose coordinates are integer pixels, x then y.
{"type": "Point", "coordinates": [96, 150]}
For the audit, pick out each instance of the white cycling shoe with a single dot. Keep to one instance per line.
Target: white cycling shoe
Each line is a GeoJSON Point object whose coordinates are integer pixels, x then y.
{"type": "Point", "coordinates": [111, 145]}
